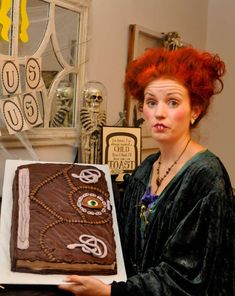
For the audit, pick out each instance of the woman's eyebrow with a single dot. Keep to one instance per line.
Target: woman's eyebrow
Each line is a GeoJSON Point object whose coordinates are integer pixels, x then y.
{"type": "Point", "coordinates": [175, 92]}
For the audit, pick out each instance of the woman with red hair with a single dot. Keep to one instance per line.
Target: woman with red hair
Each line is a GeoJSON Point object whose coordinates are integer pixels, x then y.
{"type": "Point", "coordinates": [177, 219]}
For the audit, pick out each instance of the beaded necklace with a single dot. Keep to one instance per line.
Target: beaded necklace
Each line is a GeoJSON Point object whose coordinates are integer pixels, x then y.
{"type": "Point", "coordinates": [159, 179]}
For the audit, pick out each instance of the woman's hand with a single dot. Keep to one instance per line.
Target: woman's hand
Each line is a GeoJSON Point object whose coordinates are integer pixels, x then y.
{"type": "Point", "coordinates": [86, 286]}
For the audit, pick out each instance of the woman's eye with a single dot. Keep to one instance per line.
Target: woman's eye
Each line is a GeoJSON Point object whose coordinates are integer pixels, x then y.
{"type": "Point", "coordinates": [173, 103]}
{"type": "Point", "coordinates": [151, 103]}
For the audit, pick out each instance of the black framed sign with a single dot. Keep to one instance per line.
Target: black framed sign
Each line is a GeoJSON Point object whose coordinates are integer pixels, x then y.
{"type": "Point", "coordinates": [121, 149]}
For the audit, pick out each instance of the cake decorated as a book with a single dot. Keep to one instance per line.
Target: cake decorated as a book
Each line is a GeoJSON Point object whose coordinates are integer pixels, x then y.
{"type": "Point", "coordinates": [62, 220]}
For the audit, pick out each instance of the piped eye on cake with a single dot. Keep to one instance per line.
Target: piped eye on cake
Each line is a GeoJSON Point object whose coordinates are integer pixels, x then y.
{"type": "Point", "coordinates": [62, 220]}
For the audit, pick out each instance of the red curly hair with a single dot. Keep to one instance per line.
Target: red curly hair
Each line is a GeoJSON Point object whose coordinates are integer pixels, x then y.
{"type": "Point", "coordinates": [199, 72]}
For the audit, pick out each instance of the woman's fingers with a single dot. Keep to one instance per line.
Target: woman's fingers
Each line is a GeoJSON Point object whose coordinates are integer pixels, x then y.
{"type": "Point", "coordinates": [85, 286]}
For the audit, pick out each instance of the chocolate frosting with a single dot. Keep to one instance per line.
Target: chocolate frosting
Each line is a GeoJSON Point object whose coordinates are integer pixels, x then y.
{"type": "Point", "coordinates": [62, 208]}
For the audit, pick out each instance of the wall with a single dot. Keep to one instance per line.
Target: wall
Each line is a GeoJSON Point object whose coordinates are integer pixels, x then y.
{"type": "Point", "coordinates": [218, 128]}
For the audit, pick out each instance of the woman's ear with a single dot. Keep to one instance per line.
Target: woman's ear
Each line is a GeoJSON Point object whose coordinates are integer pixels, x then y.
{"type": "Point", "coordinates": [196, 111]}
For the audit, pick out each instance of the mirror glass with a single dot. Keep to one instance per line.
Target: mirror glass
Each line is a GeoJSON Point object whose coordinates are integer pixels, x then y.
{"type": "Point", "coordinates": [50, 65]}
{"type": "Point", "coordinates": [4, 47]}
{"type": "Point", "coordinates": [38, 15]}
{"type": "Point", "coordinates": [67, 33]}
{"type": "Point", "coordinates": [53, 35]}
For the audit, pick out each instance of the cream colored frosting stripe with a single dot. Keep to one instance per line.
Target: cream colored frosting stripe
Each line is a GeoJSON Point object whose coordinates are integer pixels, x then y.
{"type": "Point", "coordinates": [24, 214]}
{"type": "Point", "coordinates": [90, 245]}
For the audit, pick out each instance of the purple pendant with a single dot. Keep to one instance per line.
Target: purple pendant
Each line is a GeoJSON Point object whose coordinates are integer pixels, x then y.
{"type": "Point", "coordinates": [148, 198]}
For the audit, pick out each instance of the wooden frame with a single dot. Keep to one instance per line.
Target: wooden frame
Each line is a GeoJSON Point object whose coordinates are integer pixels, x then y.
{"type": "Point", "coordinates": [121, 149]}
{"type": "Point", "coordinates": [140, 39]}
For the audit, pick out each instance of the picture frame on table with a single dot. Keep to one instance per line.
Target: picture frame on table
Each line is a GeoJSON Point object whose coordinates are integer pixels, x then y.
{"type": "Point", "coordinates": [121, 149]}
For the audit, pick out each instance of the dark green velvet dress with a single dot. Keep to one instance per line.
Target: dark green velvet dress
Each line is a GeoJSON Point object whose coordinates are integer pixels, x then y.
{"type": "Point", "coordinates": [189, 244]}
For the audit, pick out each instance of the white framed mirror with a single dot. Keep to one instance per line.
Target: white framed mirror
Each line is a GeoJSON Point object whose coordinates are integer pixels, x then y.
{"type": "Point", "coordinates": [57, 34]}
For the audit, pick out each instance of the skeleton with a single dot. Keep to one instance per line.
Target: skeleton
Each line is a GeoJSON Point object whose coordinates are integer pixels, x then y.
{"type": "Point", "coordinates": [92, 119]}
{"type": "Point", "coordinates": [64, 100]}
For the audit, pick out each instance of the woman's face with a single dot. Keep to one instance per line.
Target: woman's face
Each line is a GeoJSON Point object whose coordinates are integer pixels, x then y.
{"type": "Point", "coordinates": [167, 110]}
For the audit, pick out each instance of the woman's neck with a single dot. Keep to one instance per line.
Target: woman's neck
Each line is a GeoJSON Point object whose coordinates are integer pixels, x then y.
{"type": "Point", "coordinates": [171, 151]}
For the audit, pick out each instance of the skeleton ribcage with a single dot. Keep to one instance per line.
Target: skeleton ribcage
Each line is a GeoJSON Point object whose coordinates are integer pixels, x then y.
{"type": "Point", "coordinates": [90, 121]}
{"type": "Point", "coordinates": [60, 116]}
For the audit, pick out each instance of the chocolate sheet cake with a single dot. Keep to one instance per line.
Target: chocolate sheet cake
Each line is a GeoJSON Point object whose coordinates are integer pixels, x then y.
{"type": "Point", "coordinates": [62, 220]}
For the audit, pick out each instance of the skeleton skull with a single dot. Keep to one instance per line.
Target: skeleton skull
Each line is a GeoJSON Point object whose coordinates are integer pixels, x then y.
{"type": "Point", "coordinates": [93, 99]}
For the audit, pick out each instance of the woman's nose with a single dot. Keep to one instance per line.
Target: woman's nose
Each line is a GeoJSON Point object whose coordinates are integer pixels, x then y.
{"type": "Point", "coordinates": [160, 110]}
